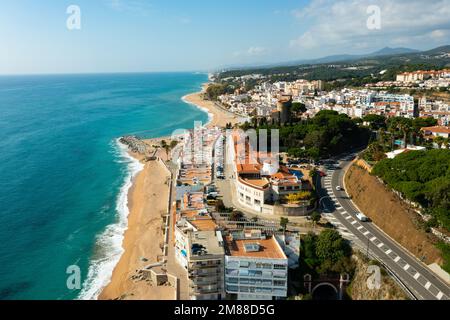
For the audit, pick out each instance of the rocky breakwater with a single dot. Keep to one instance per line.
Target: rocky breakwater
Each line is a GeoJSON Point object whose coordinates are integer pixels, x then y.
{"type": "Point", "coordinates": [135, 144]}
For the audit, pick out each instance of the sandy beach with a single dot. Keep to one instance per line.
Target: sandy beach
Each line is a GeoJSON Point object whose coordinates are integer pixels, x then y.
{"type": "Point", "coordinates": [148, 202]}
{"type": "Point", "coordinates": [220, 117]}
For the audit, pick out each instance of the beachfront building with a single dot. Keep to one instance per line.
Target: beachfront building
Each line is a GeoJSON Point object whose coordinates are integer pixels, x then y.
{"type": "Point", "coordinates": [256, 267]}
{"type": "Point", "coordinates": [260, 181]}
{"type": "Point", "coordinates": [199, 248]}
{"type": "Point", "coordinates": [206, 265]}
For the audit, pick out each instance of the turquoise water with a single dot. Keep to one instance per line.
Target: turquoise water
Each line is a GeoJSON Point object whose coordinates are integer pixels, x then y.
{"type": "Point", "coordinates": [63, 177]}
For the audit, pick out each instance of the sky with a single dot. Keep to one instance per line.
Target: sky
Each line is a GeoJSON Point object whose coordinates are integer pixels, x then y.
{"type": "Point", "coordinates": [205, 35]}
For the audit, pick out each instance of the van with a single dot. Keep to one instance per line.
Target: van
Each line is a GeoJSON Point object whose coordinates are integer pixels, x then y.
{"type": "Point", "coordinates": [361, 217]}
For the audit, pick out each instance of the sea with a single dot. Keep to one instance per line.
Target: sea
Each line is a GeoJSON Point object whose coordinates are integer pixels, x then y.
{"type": "Point", "coordinates": [64, 177]}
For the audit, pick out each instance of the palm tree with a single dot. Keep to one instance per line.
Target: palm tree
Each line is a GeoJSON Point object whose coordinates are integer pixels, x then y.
{"type": "Point", "coordinates": [405, 128]}
{"type": "Point", "coordinates": [166, 147]}
{"type": "Point", "coordinates": [440, 141]}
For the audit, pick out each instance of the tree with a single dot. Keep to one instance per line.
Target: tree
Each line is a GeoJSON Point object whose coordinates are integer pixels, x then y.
{"type": "Point", "coordinates": [316, 217]}
{"type": "Point", "coordinates": [331, 246]}
{"type": "Point", "coordinates": [284, 222]}
{"type": "Point", "coordinates": [166, 147]}
{"type": "Point", "coordinates": [376, 121]}
{"type": "Point", "coordinates": [439, 141]}
{"type": "Point", "coordinates": [236, 216]}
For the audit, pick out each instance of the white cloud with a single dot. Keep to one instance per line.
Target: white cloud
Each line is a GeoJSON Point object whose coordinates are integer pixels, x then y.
{"type": "Point", "coordinates": [342, 25]}
{"type": "Point", "coordinates": [256, 51]}
{"type": "Point", "coordinates": [251, 52]}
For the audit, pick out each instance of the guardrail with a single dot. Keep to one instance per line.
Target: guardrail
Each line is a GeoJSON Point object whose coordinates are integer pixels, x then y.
{"type": "Point", "coordinates": [388, 270]}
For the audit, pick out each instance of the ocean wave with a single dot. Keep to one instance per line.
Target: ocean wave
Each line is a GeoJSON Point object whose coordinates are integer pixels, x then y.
{"type": "Point", "coordinates": [210, 115]}
{"type": "Point", "coordinates": [109, 243]}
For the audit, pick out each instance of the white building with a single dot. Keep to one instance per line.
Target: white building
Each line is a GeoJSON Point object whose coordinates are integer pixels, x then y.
{"type": "Point", "coordinates": [256, 267]}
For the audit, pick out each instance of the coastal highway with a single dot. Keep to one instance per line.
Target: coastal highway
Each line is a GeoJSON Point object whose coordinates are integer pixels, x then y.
{"type": "Point", "coordinates": [422, 283]}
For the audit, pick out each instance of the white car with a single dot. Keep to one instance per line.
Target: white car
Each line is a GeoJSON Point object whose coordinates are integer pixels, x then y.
{"type": "Point", "coordinates": [361, 217]}
{"type": "Point", "coordinates": [339, 188]}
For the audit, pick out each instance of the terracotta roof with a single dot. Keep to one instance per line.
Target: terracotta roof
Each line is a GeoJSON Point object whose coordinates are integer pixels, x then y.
{"type": "Point", "coordinates": [269, 248]}
{"type": "Point", "coordinates": [437, 129]}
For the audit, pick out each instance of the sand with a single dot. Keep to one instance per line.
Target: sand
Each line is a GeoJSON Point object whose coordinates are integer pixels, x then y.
{"type": "Point", "coordinates": [220, 117]}
{"type": "Point", "coordinates": [148, 200]}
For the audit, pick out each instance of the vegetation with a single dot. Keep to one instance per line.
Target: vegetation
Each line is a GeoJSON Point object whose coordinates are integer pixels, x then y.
{"type": "Point", "coordinates": [284, 223]}
{"type": "Point", "coordinates": [445, 249]}
{"type": "Point", "coordinates": [218, 89]}
{"type": "Point", "coordinates": [422, 177]}
{"type": "Point", "coordinates": [327, 134]}
{"type": "Point", "coordinates": [327, 253]}
{"type": "Point", "coordinates": [351, 73]}
{"type": "Point", "coordinates": [294, 198]}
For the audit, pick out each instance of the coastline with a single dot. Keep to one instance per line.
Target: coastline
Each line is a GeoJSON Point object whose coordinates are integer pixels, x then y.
{"type": "Point", "coordinates": [142, 240]}
{"type": "Point", "coordinates": [217, 116]}
{"type": "Point", "coordinates": [148, 198]}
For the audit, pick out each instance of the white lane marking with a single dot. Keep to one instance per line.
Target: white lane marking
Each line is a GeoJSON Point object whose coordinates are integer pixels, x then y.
{"type": "Point", "coordinates": [440, 295]}
{"type": "Point", "coordinates": [380, 245]}
{"type": "Point", "coordinates": [417, 276]}
{"type": "Point", "coordinates": [389, 251]}
{"type": "Point", "coordinates": [360, 228]}
{"type": "Point", "coordinates": [397, 259]}
{"type": "Point", "coordinates": [349, 218]}
{"type": "Point", "coordinates": [366, 233]}
{"type": "Point", "coordinates": [373, 239]}
{"type": "Point", "coordinates": [428, 285]}
{"type": "Point", "coordinates": [354, 222]}
{"type": "Point", "coordinates": [406, 268]}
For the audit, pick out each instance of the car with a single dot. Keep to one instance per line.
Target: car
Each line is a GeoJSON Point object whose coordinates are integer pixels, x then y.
{"type": "Point", "coordinates": [361, 217]}
{"type": "Point", "coordinates": [339, 188]}
{"type": "Point", "coordinates": [322, 174]}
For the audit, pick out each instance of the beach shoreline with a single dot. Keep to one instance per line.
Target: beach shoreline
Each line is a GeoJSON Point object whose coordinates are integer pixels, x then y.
{"type": "Point", "coordinates": [149, 193]}
{"type": "Point", "coordinates": [218, 117]}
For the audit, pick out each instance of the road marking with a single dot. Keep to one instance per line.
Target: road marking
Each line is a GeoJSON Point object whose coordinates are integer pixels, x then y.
{"type": "Point", "coordinates": [406, 268]}
{"type": "Point", "coordinates": [349, 218]}
{"type": "Point", "coordinates": [354, 222]}
{"type": "Point", "coordinates": [440, 295]}
{"type": "Point", "coordinates": [428, 285]}
{"type": "Point", "coordinates": [373, 239]}
{"type": "Point", "coordinates": [380, 245]}
{"type": "Point", "coordinates": [366, 233]}
{"type": "Point", "coordinates": [417, 276]}
{"type": "Point", "coordinates": [397, 259]}
{"type": "Point", "coordinates": [360, 228]}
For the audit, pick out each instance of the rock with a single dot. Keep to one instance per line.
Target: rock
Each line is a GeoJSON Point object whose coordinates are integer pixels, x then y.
{"type": "Point", "coordinates": [135, 144]}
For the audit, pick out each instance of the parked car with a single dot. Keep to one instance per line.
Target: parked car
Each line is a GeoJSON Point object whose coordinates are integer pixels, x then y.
{"type": "Point", "coordinates": [339, 188]}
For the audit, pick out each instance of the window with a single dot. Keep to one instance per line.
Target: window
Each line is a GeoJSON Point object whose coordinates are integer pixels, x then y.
{"type": "Point", "coordinates": [279, 283]}
{"type": "Point", "coordinates": [279, 266]}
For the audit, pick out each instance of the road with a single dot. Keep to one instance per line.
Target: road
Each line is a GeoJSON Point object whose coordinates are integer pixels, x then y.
{"type": "Point", "coordinates": [414, 274]}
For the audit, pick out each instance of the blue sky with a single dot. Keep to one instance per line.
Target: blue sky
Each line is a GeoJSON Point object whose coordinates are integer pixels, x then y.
{"type": "Point", "coordinates": [176, 35]}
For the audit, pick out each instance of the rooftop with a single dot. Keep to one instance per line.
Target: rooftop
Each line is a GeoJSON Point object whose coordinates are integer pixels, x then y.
{"type": "Point", "coordinates": [267, 248]}
{"type": "Point", "coordinates": [204, 243]}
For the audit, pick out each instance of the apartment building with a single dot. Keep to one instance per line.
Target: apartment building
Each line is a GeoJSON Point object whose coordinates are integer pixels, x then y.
{"type": "Point", "coordinates": [256, 267]}
{"type": "Point", "coordinates": [205, 264]}
{"type": "Point", "coordinates": [199, 249]}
